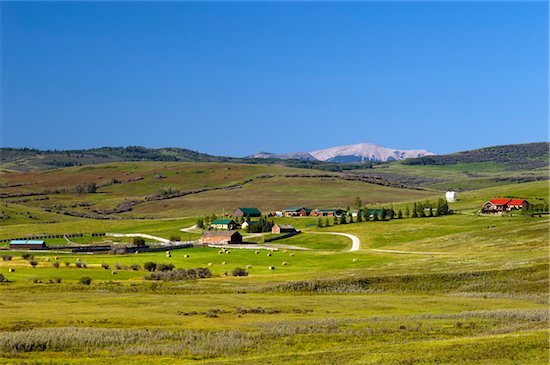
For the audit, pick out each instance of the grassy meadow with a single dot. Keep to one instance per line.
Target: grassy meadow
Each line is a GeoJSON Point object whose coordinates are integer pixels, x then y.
{"type": "Point", "coordinates": [462, 288]}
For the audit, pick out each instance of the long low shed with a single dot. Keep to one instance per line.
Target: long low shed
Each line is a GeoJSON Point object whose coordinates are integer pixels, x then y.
{"type": "Point", "coordinates": [27, 244]}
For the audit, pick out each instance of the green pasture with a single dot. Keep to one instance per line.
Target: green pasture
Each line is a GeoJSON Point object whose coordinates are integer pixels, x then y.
{"type": "Point", "coordinates": [454, 289]}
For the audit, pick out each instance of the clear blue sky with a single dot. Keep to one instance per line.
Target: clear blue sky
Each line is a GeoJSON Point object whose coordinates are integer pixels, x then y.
{"type": "Point", "coordinates": [236, 78]}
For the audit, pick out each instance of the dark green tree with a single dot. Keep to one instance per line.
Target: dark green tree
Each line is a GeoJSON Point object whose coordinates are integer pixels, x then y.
{"type": "Point", "coordinates": [415, 211]}
{"type": "Point", "coordinates": [399, 214]}
{"type": "Point", "coordinates": [343, 219]}
{"type": "Point", "coordinates": [358, 203]}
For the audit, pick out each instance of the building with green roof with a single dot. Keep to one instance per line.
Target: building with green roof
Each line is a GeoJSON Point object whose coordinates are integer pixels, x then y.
{"type": "Point", "coordinates": [247, 212]}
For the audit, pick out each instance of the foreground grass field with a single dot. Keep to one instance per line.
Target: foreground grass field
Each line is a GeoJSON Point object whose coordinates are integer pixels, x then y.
{"type": "Point", "coordinates": [457, 289]}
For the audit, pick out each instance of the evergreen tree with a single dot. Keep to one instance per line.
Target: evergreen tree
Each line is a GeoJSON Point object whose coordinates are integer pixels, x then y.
{"type": "Point", "coordinates": [358, 203]}
{"type": "Point", "coordinates": [350, 218]}
{"type": "Point", "coordinates": [431, 213]}
{"type": "Point", "coordinates": [343, 219]}
{"type": "Point", "coordinates": [200, 223]}
{"type": "Point", "coordinates": [407, 211]}
{"type": "Point", "coordinates": [326, 222]}
{"type": "Point", "coordinates": [319, 222]}
{"type": "Point", "coordinates": [383, 214]}
{"type": "Point", "coordinates": [375, 215]}
{"type": "Point", "coordinates": [359, 215]}
{"type": "Point", "coordinates": [399, 214]}
{"type": "Point", "coordinates": [367, 213]}
{"type": "Point", "coordinates": [335, 220]}
{"type": "Point", "coordinates": [415, 211]}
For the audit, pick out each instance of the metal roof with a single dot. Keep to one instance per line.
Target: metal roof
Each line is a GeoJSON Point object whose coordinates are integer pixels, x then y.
{"type": "Point", "coordinates": [222, 221]}
{"type": "Point", "coordinates": [250, 210]}
{"type": "Point", "coordinates": [27, 242]}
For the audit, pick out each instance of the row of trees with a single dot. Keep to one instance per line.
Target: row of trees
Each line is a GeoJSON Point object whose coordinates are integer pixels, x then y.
{"type": "Point", "coordinates": [365, 214]}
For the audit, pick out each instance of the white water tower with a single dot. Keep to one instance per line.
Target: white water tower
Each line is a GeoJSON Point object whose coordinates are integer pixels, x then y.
{"type": "Point", "coordinates": [450, 196]}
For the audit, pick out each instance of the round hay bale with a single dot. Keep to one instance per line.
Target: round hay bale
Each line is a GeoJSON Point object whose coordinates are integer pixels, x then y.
{"type": "Point", "coordinates": [284, 263]}
{"type": "Point", "coordinates": [220, 252]}
{"type": "Point", "coordinates": [269, 254]}
{"type": "Point", "coordinates": [257, 252]}
{"type": "Point", "coordinates": [354, 260]}
{"type": "Point", "coordinates": [113, 272]}
{"type": "Point", "coordinates": [227, 251]}
{"type": "Point", "coordinates": [291, 254]}
{"type": "Point", "coordinates": [249, 266]}
{"type": "Point", "coordinates": [168, 252]}
{"type": "Point", "coordinates": [47, 259]}
{"type": "Point", "coordinates": [224, 263]}
{"type": "Point", "coordinates": [186, 256]}
{"type": "Point", "coordinates": [56, 258]}
{"type": "Point", "coordinates": [168, 255]}
{"type": "Point", "coordinates": [11, 269]}
{"type": "Point", "coordinates": [209, 264]}
{"type": "Point", "coordinates": [271, 267]}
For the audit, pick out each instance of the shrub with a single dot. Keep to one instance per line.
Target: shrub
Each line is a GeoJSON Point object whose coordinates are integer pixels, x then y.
{"type": "Point", "coordinates": [175, 238]}
{"type": "Point", "coordinates": [165, 267]}
{"type": "Point", "coordinates": [79, 264]}
{"type": "Point", "coordinates": [67, 264]}
{"type": "Point", "coordinates": [203, 273]}
{"type": "Point", "coordinates": [135, 267]}
{"type": "Point", "coordinates": [150, 266]}
{"type": "Point", "coordinates": [27, 256]}
{"type": "Point", "coordinates": [58, 280]}
{"type": "Point", "coordinates": [2, 278]}
{"type": "Point", "coordinates": [85, 280]}
{"type": "Point", "coordinates": [6, 257]}
{"type": "Point", "coordinates": [105, 266]}
{"type": "Point", "coordinates": [138, 241]}
{"type": "Point", "coordinates": [55, 264]}
{"type": "Point", "coordinates": [119, 266]}
{"type": "Point", "coordinates": [33, 263]}
{"type": "Point", "coordinates": [239, 272]}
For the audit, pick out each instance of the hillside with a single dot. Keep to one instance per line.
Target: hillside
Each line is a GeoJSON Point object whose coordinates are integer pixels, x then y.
{"type": "Point", "coordinates": [517, 156]}
{"type": "Point", "coordinates": [27, 159]}
{"type": "Point", "coordinates": [175, 189]}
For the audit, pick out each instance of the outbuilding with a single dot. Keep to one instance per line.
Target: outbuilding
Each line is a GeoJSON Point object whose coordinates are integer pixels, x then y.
{"type": "Point", "coordinates": [27, 244]}
{"type": "Point", "coordinates": [283, 228]}
{"type": "Point", "coordinates": [221, 237]}
{"type": "Point", "coordinates": [328, 212]}
{"type": "Point", "coordinates": [297, 212]}
{"type": "Point", "coordinates": [227, 224]}
{"type": "Point", "coordinates": [247, 212]}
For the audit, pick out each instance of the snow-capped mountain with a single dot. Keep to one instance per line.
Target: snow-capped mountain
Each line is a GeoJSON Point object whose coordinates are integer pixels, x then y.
{"type": "Point", "coordinates": [366, 151]}
{"type": "Point", "coordinates": [349, 153]}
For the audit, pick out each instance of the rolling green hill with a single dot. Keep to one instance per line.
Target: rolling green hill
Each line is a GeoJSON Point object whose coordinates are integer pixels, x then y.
{"type": "Point", "coordinates": [517, 156]}
{"type": "Point", "coordinates": [461, 288]}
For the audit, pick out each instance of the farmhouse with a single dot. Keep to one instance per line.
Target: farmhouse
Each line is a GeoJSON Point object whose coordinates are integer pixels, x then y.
{"type": "Point", "coordinates": [247, 212]}
{"type": "Point", "coordinates": [327, 212]}
{"type": "Point", "coordinates": [283, 228]}
{"type": "Point", "coordinates": [297, 212]}
{"type": "Point", "coordinates": [27, 244]}
{"type": "Point", "coordinates": [500, 205]}
{"type": "Point", "coordinates": [221, 237]}
{"type": "Point", "coordinates": [227, 224]}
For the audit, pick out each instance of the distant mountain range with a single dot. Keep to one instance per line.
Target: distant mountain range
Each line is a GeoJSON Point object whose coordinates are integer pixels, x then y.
{"type": "Point", "coordinates": [361, 156]}
{"type": "Point", "coordinates": [349, 153]}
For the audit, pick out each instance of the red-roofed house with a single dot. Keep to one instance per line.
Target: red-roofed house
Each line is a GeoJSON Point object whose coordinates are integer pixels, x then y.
{"type": "Point", "coordinates": [500, 205]}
